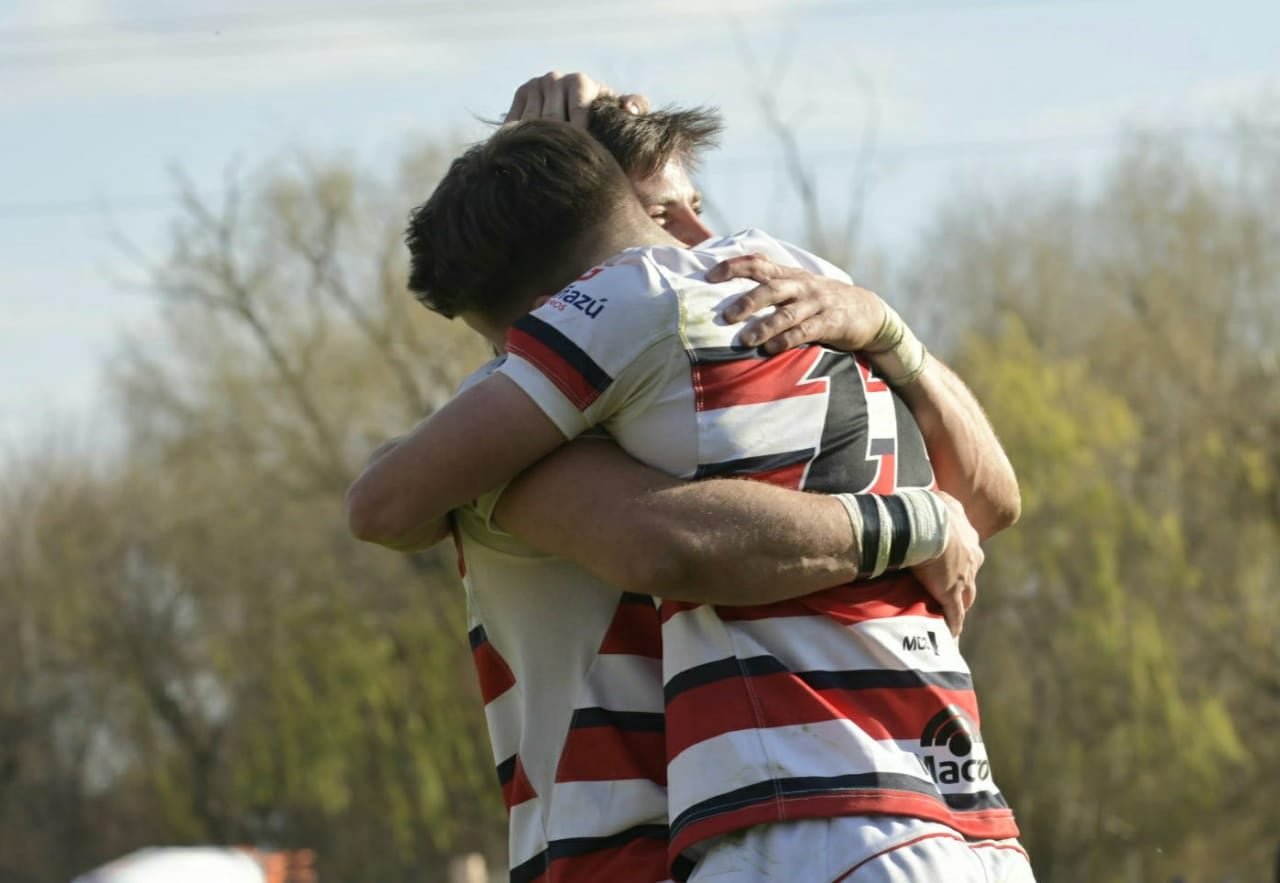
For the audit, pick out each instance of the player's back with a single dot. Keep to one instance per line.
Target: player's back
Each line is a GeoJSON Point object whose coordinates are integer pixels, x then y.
{"type": "Point", "coordinates": [847, 702]}
{"type": "Point", "coordinates": [570, 674]}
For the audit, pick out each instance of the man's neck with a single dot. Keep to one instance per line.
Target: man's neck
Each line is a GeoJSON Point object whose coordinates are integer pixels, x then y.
{"type": "Point", "coordinates": [628, 228]}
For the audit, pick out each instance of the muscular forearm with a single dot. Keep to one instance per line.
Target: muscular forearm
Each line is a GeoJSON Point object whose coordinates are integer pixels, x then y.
{"type": "Point", "coordinates": [723, 541]}
{"type": "Point", "coordinates": [741, 542]}
{"type": "Point", "coordinates": [968, 460]}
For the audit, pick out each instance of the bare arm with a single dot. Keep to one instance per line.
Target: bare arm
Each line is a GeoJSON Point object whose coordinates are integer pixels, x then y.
{"type": "Point", "coordinates": [968, 460]}
{"type": "Point", "coordinates": [402, 497]}
{"type": "Point", "coordinates": [721, 541]}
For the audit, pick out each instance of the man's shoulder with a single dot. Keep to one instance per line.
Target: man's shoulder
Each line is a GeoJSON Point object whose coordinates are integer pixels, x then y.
{"type": "Point", "coordinates": [756, 241]}
{"type": "Point", "coordinates": [480, 374]}
{"type": "Point", "coordinates": [616, 304]}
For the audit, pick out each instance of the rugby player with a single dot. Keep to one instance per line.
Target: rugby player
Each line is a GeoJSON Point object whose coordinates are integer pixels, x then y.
{"type": "Point", "coordinates": [641, 386]}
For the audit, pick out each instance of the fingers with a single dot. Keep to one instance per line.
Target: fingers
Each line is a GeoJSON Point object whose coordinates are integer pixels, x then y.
{"type": "Point", "coordinates": [804, 332]}
{"type": "Point", "coordinates": [785, 327]}
{"type": "Point", "coordinates": [578, 98]}
{"type": "Point", "coordinates": [636, 104]}
{"type": "Point", "coordinates": [953, 609]}
{"type": "Point", "coordinates": [751, 266]}
{"type": "Point", "coordinates": [557, 96]}
{"type": "Point", "coordinates": [519, 102]}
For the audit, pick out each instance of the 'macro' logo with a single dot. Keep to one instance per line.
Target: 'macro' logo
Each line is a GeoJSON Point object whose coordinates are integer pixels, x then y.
{"type": "Point", "coordinates": [952, 732]}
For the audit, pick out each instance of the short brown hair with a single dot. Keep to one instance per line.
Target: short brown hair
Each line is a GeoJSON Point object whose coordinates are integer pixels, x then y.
{"type": "Point", "coordinates": [509, 218]}
{"type": "Point", "coordinates": [643, 143]}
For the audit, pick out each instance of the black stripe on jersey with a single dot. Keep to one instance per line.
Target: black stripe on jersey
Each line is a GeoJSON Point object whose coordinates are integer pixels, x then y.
{"type": "Point", "coordinates": [862, 679]}
{"type": "Point", "coordinates": [753, 465]}
{"type": "Point", "coordinates": [566, 349]}
{"type": "Point", "coordinates": [630, 721]}
{"type": "Point", "coordinates": [885, 679]}
{"type": "Point", "coordinates": [478, 636]}
{"type": "Point", "coordinates": [507, 770]}
{"type": "Point", "coordinates": [531, 869]}
{"type": "Point", "coordinates": [806, 786]}
{"type": "Point", "coordinates": [637, 598]}
{"type": "Point", "coordinates": [979, 801]}
{"type": "Point", "coordinates": [682, 867]}
{"type": "Point", "coordinates": [900, 525]}
{"type": "Point", "coordinates": [573, 847]}
{"type": "Point", "coordinates": [710, 355]}
{"type": "Point", "coordinates": [870, 534]}
{"type": "Point", "coordinates": [720, 670]}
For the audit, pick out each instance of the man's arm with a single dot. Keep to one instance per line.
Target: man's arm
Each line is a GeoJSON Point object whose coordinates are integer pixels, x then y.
{"type": "Point", "coordinates": [484, 436]}
{"type": "Point", "coordinates": [967, 457]}
{"type": "Point", "coordinates": [720, 541]}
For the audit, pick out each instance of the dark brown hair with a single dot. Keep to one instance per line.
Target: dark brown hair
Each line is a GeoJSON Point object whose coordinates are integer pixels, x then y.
{"type": "Point", "coordinates": [509, 218]}
{"type": "Point", "coordinates": [643, 143]}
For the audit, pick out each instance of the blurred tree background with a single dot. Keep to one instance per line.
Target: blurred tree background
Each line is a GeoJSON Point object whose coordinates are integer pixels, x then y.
{"type": "Point", "coordinates": [192, 650]}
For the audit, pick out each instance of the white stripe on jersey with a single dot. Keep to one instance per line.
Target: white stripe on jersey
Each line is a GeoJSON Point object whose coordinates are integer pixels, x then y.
{"type": "Point", "coordinates": [735, 760]}
{"type": "Point", "coordinates": [526, 837]}
{"type": "Point", "coordinates": [503, 717]}
{"type": "Point", "coordinates": [584, 809]}
{"type": "Point", "coordinates": [812, 643]}
{"type": "Point", "coordinates": [757, 430]}
{"type": "Point", "coordinates": [622, 682]}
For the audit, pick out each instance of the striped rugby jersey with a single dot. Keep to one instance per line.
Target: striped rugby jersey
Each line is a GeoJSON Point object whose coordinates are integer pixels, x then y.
{"type": "Point", "coordinates": [850, 701]}
{"type": "Point", "coordinates": [570, 674]}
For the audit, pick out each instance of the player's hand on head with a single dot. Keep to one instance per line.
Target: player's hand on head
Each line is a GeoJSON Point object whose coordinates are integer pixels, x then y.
{"type": "Point", "coordinates": [565, 97]}
{"type": "Point", "coordinates": [951, 578]}
{"type": "Point", "coordinates": [809, 308]}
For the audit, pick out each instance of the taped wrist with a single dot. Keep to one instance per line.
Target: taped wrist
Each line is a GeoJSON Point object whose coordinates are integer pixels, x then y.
{"type": "Point", "coordinates": [895, 352]}
{"type": "Point", "coordinates": [896, 531]}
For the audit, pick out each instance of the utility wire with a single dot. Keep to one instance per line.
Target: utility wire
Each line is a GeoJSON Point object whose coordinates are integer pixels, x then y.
{"type": "Point", "coordinates": [906, 153]}
{"type": "Point", "coordinates": [140, 39]}
{"type": "Point", "coordinates": [294, 15]}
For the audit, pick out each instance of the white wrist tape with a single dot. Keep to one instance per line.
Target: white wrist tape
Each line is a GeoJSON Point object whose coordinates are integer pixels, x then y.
{"type": "Point", "coordinates": [896, 531]}
{"type": "Point", "coordinates": [930, 525]}
{"type": "Point", "coordinates": [895, 352]}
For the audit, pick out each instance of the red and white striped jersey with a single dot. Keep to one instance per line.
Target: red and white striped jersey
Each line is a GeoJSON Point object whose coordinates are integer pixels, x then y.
{"type": "Point", "coordinates": [570, 673]}
{"type": "Point", "coordinates": [850, 701]}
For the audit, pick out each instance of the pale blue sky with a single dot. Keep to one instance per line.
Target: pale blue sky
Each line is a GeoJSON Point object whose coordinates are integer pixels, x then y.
{"type": "Point", "coordinates": [99, 98]}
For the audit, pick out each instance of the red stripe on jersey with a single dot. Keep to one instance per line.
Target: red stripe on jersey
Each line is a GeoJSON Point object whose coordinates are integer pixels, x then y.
{"type": "Point", "coordinates": [555, 367]}
{"type": "Point", "coordinates": [643, 860]}
{"type": "Point", "coordinates": [635, 630]}
{"type": "Point", "coordinates": [991, 824]}
{"type": "Point", "coordinates": [457, 545]}
{"type": "Point", "coordinates": [604, 754]}
{"type": "Point", "coordinates": [752, 381]}
{"type": "Point", "coordinates": [519, 789]}
{"type": "Point", "coordinates": [870, 382]}
{"type": "Point", "coordinates": [848, 604]}
{"type": "Point", "coordinates": [901, 595]}
{"type": "Point", "coordinates": [787, 476]}
{"type": "Point", "coordinates": [782, 700]}
{"type": "Point", "coordinates": [886, 480]}
{"type": "Point", "coordinates": [495, 675]}
{"type": "Point", "coordinates": [669, 609]}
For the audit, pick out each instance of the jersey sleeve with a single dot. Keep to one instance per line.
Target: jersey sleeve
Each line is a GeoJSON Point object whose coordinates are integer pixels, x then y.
{"type": "Point", "coordinates": [590, 354]}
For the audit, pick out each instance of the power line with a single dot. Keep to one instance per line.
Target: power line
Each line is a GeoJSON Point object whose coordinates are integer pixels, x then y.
{"type": "Point", "coordinates": [921, 151]}
{"type": "Point", "coordinates": [447, 22]}
{"type": "Point", "coordinates": [292, 15]}
{"type": "Point", "coordinates": [69, 207]}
